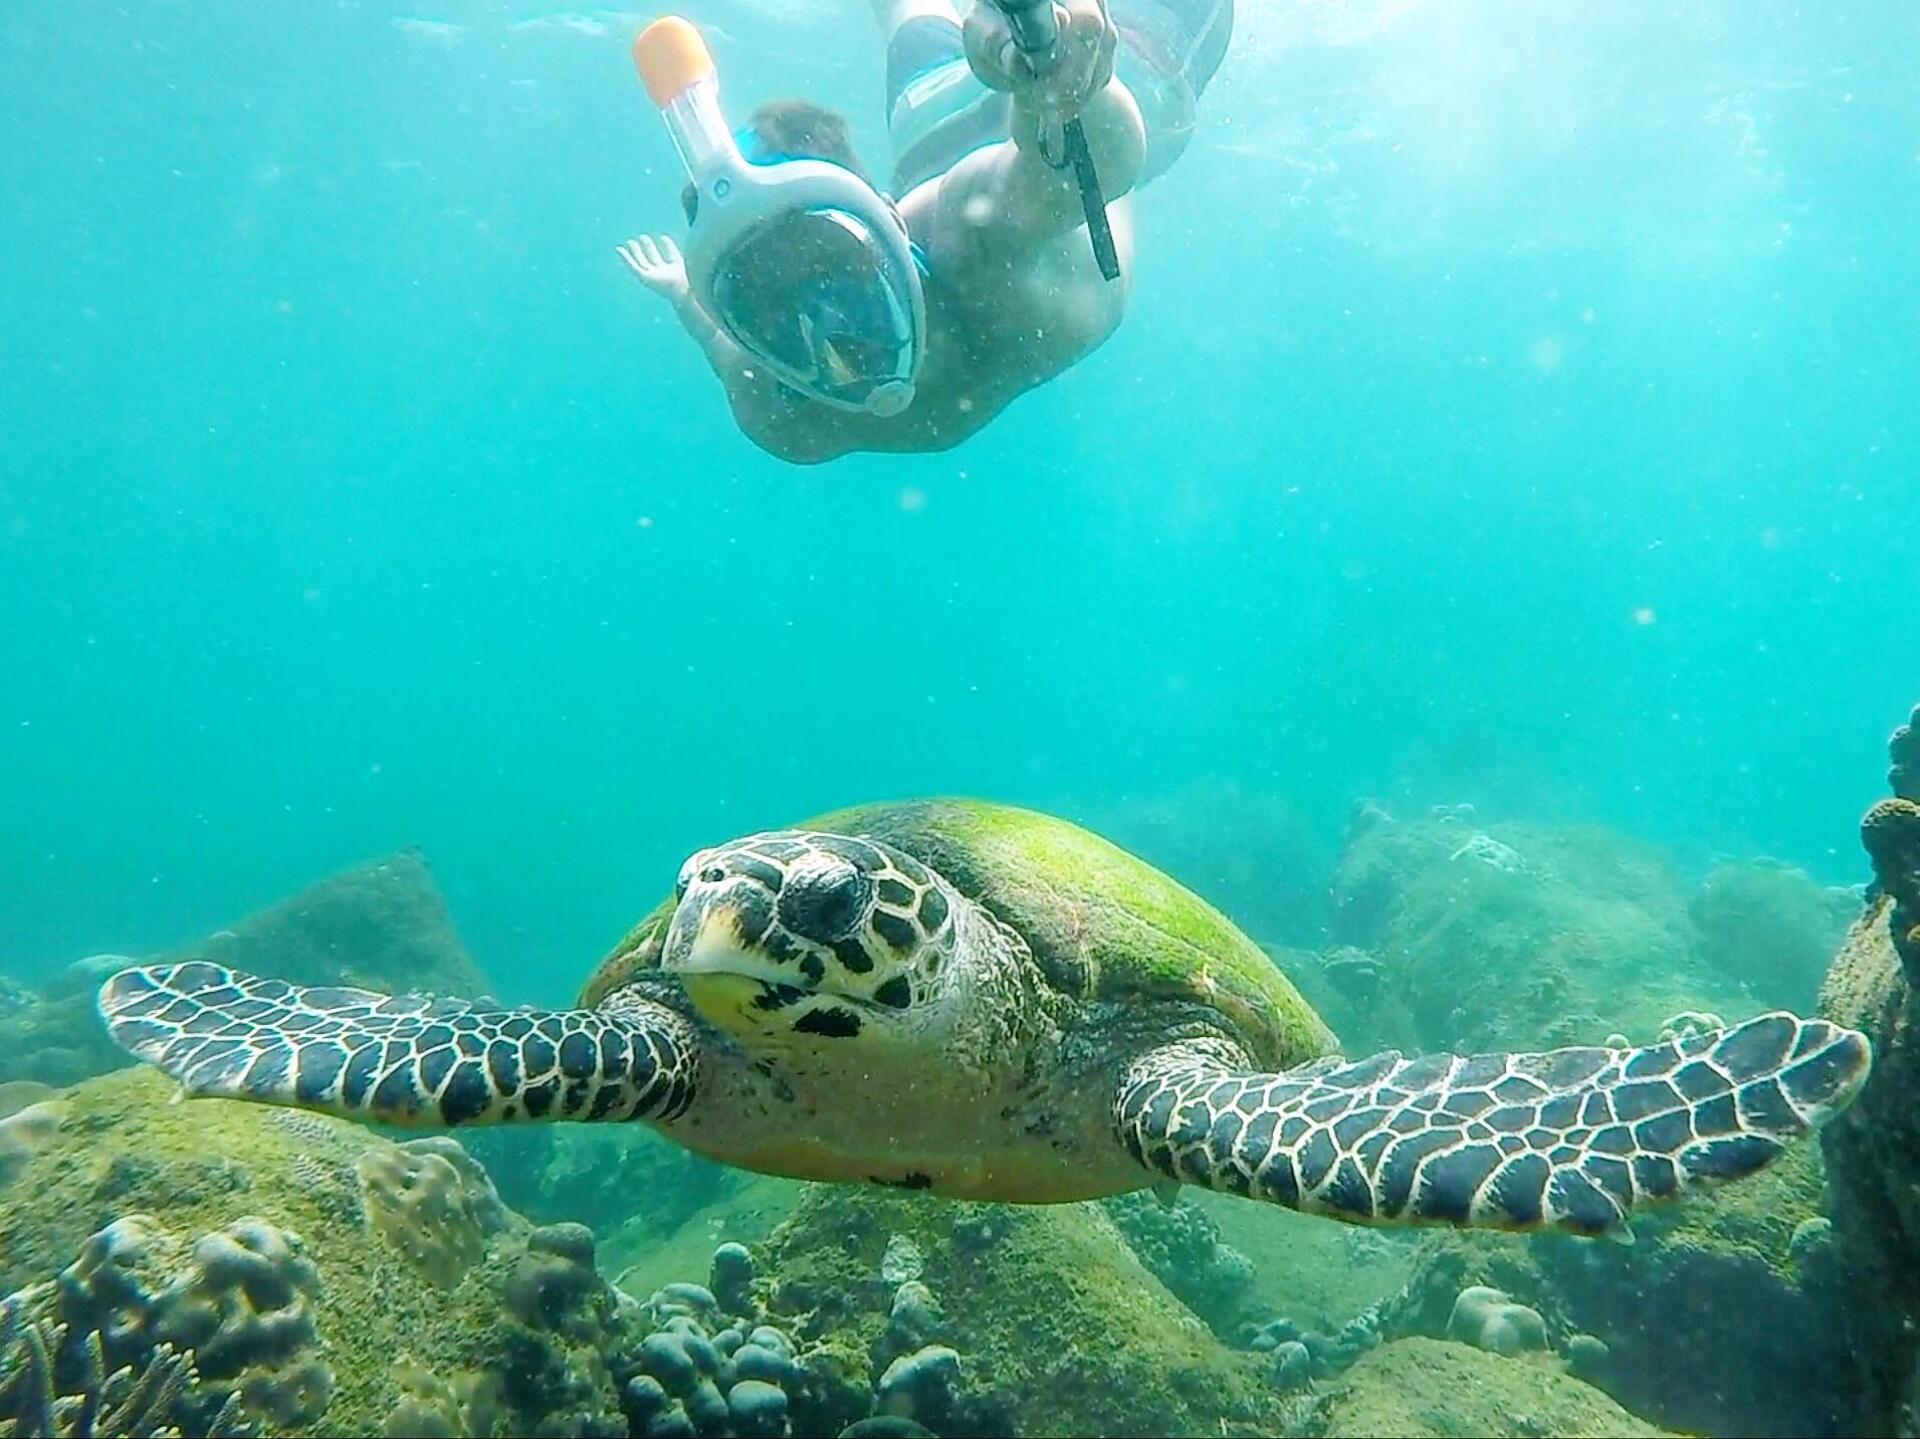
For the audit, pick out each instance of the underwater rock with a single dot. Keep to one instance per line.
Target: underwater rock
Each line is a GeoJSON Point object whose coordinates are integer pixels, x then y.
{"type": "Point", "coordinates": [923, 1386]}
{"type": "Point", "coordinates": [1488, 1319]}
{"type": "Point", "coordinates": [382, 925]}
{"type": "Point", "coordinates": [51, 1040]}
{"type": "Point", "coordinates": [1513, 935]}
{"type": "Point", "coordinates": [1771, 927]}
{"type": "Point", "coordinates": [1180, 1245]}
{"type": "Point", "coordinates": [913, 1321]}
{"type": "Point", "coordinates": [1425, 1387]}
{"type": "Point", "coordinates": [1056, 1326]}
{"type": "Point", "coordinates": [1587, 1356]}
{"type": "Point", "coordinates": [730, 1277]}
{"type": "Point", "coordinates": [1711, 1285]}
{"type": "Point", "coordinates": [902, 1261]}
{"type": "Point", "coordinates": [1688, 1023]}
{"type": "Point", "coordinates": [236, 1237]}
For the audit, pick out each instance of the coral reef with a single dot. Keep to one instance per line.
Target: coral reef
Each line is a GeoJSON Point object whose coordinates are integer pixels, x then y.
{"type": "Point", "coordinates": [1891, 834]}
{"type": "Point", "coordinates": [51, 1036]}
{"type": "Point", "coordinates": [590, 1174]}
{"type": "Point", "coordinates": [25, 1130]}
{"type": "Point", "coordinates": [243, 1242]}
{"type": "Point", "coordinates": [1248, 852]}
{"type": "Point", "coordinates": [56, 1384]}
{"type": "Point", "coordinates": [1903, 753]}
{"type": "Point", "coordinates": [1053, 1325]}
{"type": "Point", "coordinates": [1873, 1150]}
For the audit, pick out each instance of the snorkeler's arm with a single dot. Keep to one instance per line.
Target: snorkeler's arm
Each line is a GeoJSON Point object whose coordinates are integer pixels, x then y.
{"type": "Point", "coordinates": [1001, 200]}
{"type": "Point", "coordinates": [729, 361]}
{"type": "Point", "coordinates": [656, 262]}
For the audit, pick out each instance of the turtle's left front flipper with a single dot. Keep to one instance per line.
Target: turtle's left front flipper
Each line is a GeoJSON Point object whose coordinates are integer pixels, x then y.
{"type": "Point", "coordinates": [406, 1059]}
{"type": "Point", "coordinates": [1571, 1139]}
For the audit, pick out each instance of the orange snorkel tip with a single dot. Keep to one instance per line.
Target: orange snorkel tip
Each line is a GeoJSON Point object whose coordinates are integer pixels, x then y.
{"type": "Point", "coordinates": [671, 56]}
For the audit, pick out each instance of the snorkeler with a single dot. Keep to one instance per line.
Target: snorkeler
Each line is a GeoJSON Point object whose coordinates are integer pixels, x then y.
{"type": "Point", "coordinates": [842, 320]}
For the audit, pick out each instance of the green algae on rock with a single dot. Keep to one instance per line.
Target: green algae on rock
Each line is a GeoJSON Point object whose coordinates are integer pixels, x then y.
{"type": "Point", "coordinates": [1430, 1389]}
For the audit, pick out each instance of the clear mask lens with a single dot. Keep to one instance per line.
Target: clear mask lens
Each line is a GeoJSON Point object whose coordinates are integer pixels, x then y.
{"type": "Point", "coordinates": [812, 293]}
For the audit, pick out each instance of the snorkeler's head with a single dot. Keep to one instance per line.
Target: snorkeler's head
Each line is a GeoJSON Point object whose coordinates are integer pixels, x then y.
{"type": "Point", "coordinates": [811, 285]}
{"type": "Point", "coordinates": [790, 130]}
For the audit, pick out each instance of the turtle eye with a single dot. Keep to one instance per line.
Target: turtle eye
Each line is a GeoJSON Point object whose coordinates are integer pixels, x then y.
{"type": "Point", "coordinates": [825, 901]}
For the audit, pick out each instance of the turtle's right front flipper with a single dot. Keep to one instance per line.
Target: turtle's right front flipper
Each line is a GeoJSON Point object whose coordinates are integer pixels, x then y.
{"type": "Point", "coordinates": [407, 1060]}
{"type": "Point", "coordinates": [1570, 1139]}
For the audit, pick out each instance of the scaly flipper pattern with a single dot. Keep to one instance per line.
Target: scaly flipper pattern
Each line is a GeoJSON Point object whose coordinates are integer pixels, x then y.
{"type": "Point", "coordinates": [407, 1059]}
{"type": "Point", "coordinates": [1571, 1139]}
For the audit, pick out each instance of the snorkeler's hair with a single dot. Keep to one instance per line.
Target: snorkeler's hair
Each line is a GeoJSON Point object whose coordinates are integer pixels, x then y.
{"type": "Point", "coordinates": [794, 128]}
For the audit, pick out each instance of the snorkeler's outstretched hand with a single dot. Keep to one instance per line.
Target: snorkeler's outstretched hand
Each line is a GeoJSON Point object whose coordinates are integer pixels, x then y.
{"type": "Point", "coordinates": [1082, 60]}
{"type": "Point", "coordinates": [656, 263]}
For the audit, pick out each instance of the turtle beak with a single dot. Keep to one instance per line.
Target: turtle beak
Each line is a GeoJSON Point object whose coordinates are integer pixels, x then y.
{"type": "Point", "coordinates": [719, 946]}
{"type": "Point", "coordinates": [724, 976]}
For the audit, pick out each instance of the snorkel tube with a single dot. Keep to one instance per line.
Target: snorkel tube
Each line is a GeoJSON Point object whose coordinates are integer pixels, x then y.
{"type": "Point", "coordinates": [735, 228]}
{"type": "Point", "coordinates": [1036, 30]}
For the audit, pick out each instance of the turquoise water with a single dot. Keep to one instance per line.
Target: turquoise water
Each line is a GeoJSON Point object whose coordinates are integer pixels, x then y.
{"type": "Point", "coordinates": [1517, 406]}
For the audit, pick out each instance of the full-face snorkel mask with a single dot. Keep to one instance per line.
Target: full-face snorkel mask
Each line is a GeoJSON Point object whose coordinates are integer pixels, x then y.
{"type": "Point", "coordinates": [799, 260]}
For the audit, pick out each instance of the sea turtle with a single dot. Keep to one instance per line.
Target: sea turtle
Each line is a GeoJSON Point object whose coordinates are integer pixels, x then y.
{"type": "Point", "coordinates": [990, 1003]}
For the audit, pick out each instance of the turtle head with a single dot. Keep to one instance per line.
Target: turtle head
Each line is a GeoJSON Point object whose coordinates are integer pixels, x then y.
{"type": "Point", "coordinates": [793, 936]}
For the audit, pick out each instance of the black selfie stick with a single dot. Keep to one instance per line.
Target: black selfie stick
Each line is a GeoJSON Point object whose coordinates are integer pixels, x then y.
{"type": "Point", "coordinates": [1036, 30]}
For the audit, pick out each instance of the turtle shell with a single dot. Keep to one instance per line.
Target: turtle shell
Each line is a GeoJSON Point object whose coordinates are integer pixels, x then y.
{"type": "Point", "coordinates": [1102, 924]}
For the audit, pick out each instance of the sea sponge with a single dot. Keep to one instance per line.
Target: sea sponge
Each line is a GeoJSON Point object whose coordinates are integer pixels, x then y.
{"type": "Point", "coordinates": [1488, 1319]}
{"type": "Point", "coordinates": [703, 1371]}
{"type": "Point", "coordinates": [923, 1386]}
{"type": "Point", "coordinates": [26, 1131]}
{"type": "Point", "coordinates": [109, 1288]}
{"type": "Point", "coordinates": [1587, 1356]}
{"type": "Point", "coordinates": [1292, 1366]}
{"type": "Point", "coordinates": [244, 1308]}
{"type": "Point", "coordinates": [1891, 834]}
{"type": "Point", "coordinates": [1903, 752]}
{"type": "Point", "coordinates": [555, 1287]}
{"type": "Point", "coordinates": [433, 1202]}
{"type": "Point", "coordinates": [730, 1278]}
